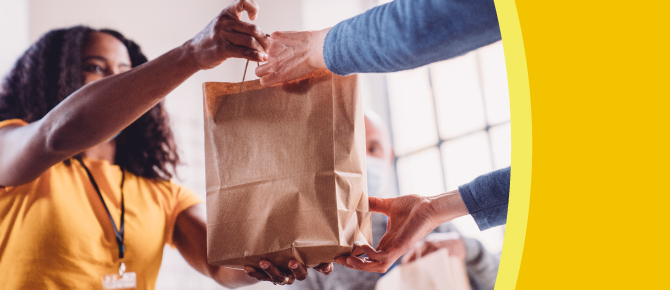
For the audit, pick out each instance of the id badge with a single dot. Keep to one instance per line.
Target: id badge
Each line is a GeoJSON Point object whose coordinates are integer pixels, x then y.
{"type": "Point", "coordinates": [118, 282]}
{"type": "Point", "coordinates": [123, 280]}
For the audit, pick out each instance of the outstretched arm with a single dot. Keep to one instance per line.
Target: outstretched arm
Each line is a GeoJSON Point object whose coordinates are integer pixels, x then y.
{"type": "Point", "coordinates": [97, 111]}
{"type": "Point", "coordinates": [190, 238]}
{"type": "Point", "coordinates": [400, 35]}
{"type": "Point", "coordinates": [411, 217]}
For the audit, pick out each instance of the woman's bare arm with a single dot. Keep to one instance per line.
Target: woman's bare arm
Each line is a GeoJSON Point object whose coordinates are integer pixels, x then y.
{"type": "Point", "coordinates": [97, 111]}
{"type": "Point", "coordinates": [190, 238]}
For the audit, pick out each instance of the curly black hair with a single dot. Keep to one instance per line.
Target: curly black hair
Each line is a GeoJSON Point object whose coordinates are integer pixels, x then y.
{"type": "Point", "coordinates": [51, 69]}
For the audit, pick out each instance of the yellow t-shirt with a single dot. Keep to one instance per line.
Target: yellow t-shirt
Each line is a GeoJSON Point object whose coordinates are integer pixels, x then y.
{"type": "Point", "coordinates": [55, 233]}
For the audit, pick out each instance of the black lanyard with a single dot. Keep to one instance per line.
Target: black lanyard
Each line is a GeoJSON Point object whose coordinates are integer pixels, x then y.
{"type": "Point", "coordinates": [117, 232]}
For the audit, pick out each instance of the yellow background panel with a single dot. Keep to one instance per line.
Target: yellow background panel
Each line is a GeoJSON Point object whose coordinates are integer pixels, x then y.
{"type": "Point", "coordinates": [598, 76]}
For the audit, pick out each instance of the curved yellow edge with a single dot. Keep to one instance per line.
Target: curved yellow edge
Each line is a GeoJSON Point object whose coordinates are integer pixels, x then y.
{"type": "Point", "coordinates": [519, 93]}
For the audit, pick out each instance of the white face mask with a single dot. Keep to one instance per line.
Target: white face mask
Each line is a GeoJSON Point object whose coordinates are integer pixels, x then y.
{"type": "Point", "coordinates": [378, 175]}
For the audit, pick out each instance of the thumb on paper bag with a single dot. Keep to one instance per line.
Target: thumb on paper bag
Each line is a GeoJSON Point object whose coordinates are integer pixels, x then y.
{"type": "Point", "coordinates": [380, 205]}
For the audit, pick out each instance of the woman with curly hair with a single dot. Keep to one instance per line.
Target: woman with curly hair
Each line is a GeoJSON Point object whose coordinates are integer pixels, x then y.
{"type": "Point", "coordinates": [86, 156]}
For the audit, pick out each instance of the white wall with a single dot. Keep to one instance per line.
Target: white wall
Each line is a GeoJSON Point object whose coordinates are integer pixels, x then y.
{"type": "Point", "coordinates": [13, 32]}
{"type": "Point", "coordinates": [320, 14]}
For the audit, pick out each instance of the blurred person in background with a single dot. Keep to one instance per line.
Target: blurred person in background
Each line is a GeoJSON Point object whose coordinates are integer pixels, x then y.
{"type": "Point", "coordinates": [401, 35]}
{"type": "Point", "coordinates": [87, 155]}
{"type": "Point", "coordinates": [481, 266]}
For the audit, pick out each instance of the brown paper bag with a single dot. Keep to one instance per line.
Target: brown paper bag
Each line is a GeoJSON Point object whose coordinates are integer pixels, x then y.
{"type": "Point", "coordinates": [285, 171]}
{"type": "Point", "coordinates": [436, 271]}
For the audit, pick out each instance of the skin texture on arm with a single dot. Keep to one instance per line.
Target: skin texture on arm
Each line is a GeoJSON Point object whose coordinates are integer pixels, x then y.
{"type": "Point", "coordinates": [100, 109]}
{"type": "Point", "coordinates": [411, 217]}
{"type": "Point", "coordinates": [190, 238]}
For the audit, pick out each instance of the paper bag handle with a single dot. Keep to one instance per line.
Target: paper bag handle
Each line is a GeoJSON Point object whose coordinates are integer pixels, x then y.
{"type": "Point", "coordinates": [245, 73]}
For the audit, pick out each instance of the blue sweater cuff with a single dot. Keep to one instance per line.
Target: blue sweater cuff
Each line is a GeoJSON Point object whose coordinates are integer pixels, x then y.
{"type": "Point", "coordinates": [487, 198]}
{"type": "Point", "coordinates": [328, 48]}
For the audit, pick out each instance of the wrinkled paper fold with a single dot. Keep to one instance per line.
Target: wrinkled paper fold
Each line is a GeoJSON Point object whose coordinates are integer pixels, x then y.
{"type": "Point", "coordinates": [435, 271]}
{"type": "Point", "coordinates": [285, 171]}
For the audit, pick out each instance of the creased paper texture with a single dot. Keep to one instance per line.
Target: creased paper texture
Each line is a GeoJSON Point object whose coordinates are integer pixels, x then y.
{"type": "Point", "coordinates": [285, 171]}
{"type": "Point", "coordinates": [436, 271]}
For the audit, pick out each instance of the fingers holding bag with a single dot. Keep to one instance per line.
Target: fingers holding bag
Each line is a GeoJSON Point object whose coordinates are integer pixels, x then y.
{"type": "Point", "coordinates": [292, 55]}
{"type": "Point", "coordinates": [228, 36]}
{"type": "Point", "coordinates": [270, 272]}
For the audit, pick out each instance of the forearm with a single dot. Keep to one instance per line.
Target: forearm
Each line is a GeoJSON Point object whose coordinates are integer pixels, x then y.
{"type": "Point", "coordinates": [316, 59]}
{"type": "Point", "coordinates": [406, 34]}
{"type": "Point", "coordinates": [227, 277]}
{"type": "Point", "coordinates": [101, 109]}
{"type": "Point", "coordinates": [231, 278]}
{"type": "Point", "coordinates": [446, 207]}
{"type": "Point", "coordinates": [190, 238]}
{"type": "Point", "coordinates": [486, 198]}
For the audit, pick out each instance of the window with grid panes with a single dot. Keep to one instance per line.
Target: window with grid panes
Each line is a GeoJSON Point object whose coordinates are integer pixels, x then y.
{"type": "Point", "coordinates": [451, 123]}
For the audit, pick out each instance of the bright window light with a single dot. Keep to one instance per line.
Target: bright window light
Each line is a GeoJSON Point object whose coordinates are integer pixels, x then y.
{"type": "Point", "coordinates": [502, 145]}
{"type": "Point", "coordinates": [421, 173]}
{"type": "Point", "coordinates": [494, 77]}
{"type": "Point", "coordinates": [451, 123]}
{"type": "Point", "coordinates": [411, 104]}
{"type": "Point", "coordinates": [458, 96]}
{"type": "Point", "coordinates": [466, 158]}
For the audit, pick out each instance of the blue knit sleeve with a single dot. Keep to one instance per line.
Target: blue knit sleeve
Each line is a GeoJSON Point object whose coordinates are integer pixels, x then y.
{"type": "Point", "coordinates": [406, 34]}
{"type": "Point", "coordinates": [487, 198]}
